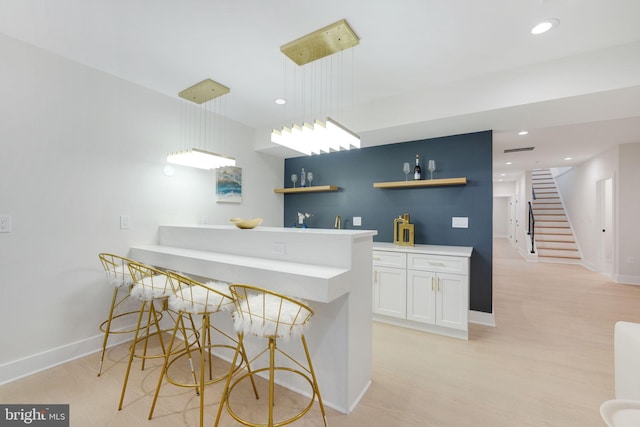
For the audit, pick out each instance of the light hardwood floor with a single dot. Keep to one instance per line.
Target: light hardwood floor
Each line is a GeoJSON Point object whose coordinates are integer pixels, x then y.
{"type": "Point", "coordinates": [549, 362]}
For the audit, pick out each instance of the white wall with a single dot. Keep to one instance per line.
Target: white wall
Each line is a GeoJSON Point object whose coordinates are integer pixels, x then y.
{"type": "Point", "coordinates": [79, 149]}
{"type": "Point", "coordinates": [501, 217]}
{"type": "Point", "coordinates": [521, 199]}
{"type": "Point", "coordinates": [628, 214]}
{"type": "Point", "coordinates": [578, 190]}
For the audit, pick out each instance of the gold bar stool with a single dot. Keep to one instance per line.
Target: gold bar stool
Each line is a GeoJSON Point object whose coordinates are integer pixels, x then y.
{"type": "Point", "coordinates": [190, 298]}
{"type": "Point", "coordinates": [152, 288]}
{"type": "Point", "coordinates": [117, 270]}
{"type": "Point", "coordinates": [269, 315]}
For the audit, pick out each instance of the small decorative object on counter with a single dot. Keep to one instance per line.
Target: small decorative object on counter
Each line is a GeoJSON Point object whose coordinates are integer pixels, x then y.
{"type": "Point", "coordinates": [302, 219]}
{"type": "Point", "coordinates": [417, 170]}
{"type": "Point", "coordinates": [309, 177]}
{"type": "Point", "coordinates": [246, 223]}
{"type": "Point", "coordinates": [303, 178]}
{"type": "Point", "coordinates": [403, 232]}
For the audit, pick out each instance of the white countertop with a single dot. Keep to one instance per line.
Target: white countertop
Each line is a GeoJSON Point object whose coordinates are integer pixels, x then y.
{"type": "Point", "coordinates": [283, 230]}
{"type": "Point", "coordinates": [295, 268]}
{"type": "Point", "coordinates": [425, 249]}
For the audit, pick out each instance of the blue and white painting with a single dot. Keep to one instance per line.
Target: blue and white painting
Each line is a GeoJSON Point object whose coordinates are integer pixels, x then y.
{"type": "Point", "coordinates": [229, 184]}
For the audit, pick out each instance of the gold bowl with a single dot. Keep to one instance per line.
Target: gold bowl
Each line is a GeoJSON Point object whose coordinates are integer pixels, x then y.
{"type": "Point", "coordinates": [246, 223]}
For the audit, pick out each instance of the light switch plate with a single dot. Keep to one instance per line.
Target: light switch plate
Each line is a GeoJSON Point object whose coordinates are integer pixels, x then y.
{"type": "Point", "coordinates": [125, 221]}
{"type": "Point", "coordinates": [357, 221]}
{"type": "Point", "coordinates": [459, 222]}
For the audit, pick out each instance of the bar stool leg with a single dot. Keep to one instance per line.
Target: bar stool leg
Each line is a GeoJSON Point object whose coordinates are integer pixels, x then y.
{"type": "Point", "coordinates": [315, 381]}
{"type": "Point", "coordinates": [131, 353]}
{"type": "Point", "coordinates": [205, 335]}
{"type": "Point", "coordinates": [108, 328]}
{"type": "Point", "coordinates": [272, 360]}
{"type": "Point", "coordinates": [164, 368]}
{"type": "Point", "coordinates": [225, 392]}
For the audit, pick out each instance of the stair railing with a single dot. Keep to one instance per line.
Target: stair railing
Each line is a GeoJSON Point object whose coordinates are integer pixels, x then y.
{"type": "Point", "coordinates": [531, 228]}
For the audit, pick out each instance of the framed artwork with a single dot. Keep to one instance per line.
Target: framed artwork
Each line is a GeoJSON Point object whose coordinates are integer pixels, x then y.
{"type": "Point", "coordinates": [229, 184]}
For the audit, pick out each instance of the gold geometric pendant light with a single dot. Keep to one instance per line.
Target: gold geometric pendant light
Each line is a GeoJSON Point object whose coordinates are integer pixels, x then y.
{"type": "Point", "coordinates": [318, 136]}
{"type": "Point", "coordinates": [200, 93]}
{"type": "Point", "coordinates": [323, 42]}
{"type": "Point", "coordinates": [204, 91]}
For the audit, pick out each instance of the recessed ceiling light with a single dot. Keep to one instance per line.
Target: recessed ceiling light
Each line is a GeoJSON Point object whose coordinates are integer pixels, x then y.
{"type": "Point", "coordinates": [509, 163]}
{"type": "Point", "coordinates": [523, 132]}
{"type": "Point", "coordinates": [503, 174]}
{"type": "Point", "coordinates": [281, 101]}
{"type": "Point", "coordinates": [544, 26]}
{"type": "Point", "coordinates": [500, 180]}
{"type": "Point", "coordinates": [568, 158]}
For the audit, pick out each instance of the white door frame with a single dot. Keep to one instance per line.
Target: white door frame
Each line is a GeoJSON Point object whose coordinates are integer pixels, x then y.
{"type": "Point", "coordinates": [605, 241]}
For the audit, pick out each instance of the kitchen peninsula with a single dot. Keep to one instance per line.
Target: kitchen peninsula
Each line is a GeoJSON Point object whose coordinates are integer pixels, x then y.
{"type": "Point", "coordinates": [329, 269]}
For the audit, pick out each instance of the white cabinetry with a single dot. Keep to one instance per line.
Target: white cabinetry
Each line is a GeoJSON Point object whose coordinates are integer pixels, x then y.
{"type": "Point", "coordinates": [423, 287]}
{"type": "Point", "coordinates": [389, 284]}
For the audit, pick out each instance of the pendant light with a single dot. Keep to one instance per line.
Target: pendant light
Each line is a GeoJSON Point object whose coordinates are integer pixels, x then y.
{"type": "Point", "coordinates": [196, 123]}
{"type": "Point", "coordinates": [316, 136]}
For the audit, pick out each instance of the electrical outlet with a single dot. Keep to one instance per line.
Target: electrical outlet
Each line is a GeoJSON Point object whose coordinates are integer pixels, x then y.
{"type": "Point", "coordinates": [5, 223]}
{"type": "Point", "coordinates": [125, 221]}
{"type": "Point", "coordinates": [357, 221]}
{"type": "Point", "coordinates": [459, 222]}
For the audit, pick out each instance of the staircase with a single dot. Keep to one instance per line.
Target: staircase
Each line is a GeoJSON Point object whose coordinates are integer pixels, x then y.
{"type": "Point", "coordinates": [554, 239]}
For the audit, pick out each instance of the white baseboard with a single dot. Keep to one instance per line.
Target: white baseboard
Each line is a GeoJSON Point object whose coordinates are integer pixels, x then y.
{"type": "Point", "coordinates": [482, 318]}
{"type": "Point", "coordinates": [627, 279]}
{"type": "Point", "coordinates": [20, 368]}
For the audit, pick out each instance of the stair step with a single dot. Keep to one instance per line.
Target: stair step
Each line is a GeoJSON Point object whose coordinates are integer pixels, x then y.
{"type": "Point", "coordinates": [559, 256]}
{"type": "Point", "coordinates": [554, 248]}
{"type": "Point", "coordinates": [551, 224]}
{"type": "Point", "coordinates": [544, 231]}
{"type": "Point", "coordinates": [556, 239]}
{"type": "Point", "coordinates": [544, 219]}
{"type": "Point", "coordinates": [555, 235]}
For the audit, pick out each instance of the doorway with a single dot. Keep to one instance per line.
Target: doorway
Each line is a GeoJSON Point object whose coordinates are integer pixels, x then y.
{"type": "Point", "coordinates": [605, 230]}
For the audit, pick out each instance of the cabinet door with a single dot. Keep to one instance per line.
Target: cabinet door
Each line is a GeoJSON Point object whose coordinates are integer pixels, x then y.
{"type": "Point", "coordinates": [421, 287]}
{"type": "Point", "coordinates": [390, 291]}
{"type": "Point", "coordinates": [452, 301]}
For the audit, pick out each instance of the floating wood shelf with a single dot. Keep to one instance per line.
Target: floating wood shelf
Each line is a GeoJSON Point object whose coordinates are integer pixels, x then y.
{"type": "Point", "coordinates": [421, 183]}
{"type": "Point", "coordinates": [314, 189]}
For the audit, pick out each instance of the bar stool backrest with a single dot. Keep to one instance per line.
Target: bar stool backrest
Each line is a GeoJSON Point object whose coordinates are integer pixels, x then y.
{"type": "Point", "coordinates": [265, 313]}
{"type": "Point", "coordinates": [149, 282]}
{"type": "Point", "coordinates": [192, 296]}
{"type": "Point", "coordinates": [116, 268]}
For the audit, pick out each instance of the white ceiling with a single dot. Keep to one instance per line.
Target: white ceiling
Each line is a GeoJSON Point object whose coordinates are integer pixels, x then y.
{"type": "Point", "coordinates": [424, 68]}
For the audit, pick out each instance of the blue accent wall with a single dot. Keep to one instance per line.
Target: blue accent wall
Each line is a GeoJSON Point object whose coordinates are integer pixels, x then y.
{"type": "Point", "coordinates": [430, 208]}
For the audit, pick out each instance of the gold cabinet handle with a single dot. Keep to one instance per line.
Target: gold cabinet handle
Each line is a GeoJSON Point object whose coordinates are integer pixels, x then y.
{"type": "Point", "coordinates": [375, 276]}
{"type": "Point", "coordinates": [432, 287]}
{"type": "Point", "coordinates": [438, 284]}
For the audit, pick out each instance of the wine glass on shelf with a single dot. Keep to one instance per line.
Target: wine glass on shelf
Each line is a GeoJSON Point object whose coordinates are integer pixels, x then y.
{"type": "Point", "coordinates": [406, 169]}
{"type": "Point", "coordinates": [294, 178]}
{"type": "Point", "coordinates": [309, 177]}
{"type": "Point", "coordinates": [431, 167]}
